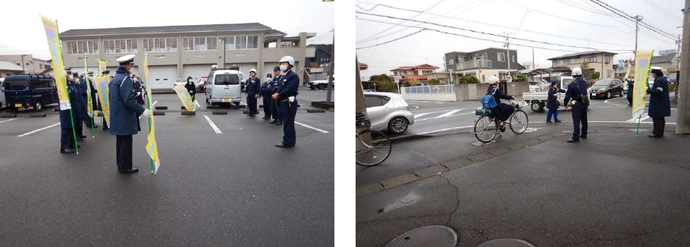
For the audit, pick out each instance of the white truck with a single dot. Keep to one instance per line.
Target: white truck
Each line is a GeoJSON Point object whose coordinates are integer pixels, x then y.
{"type": "Point", "coordinates": [537, 100]}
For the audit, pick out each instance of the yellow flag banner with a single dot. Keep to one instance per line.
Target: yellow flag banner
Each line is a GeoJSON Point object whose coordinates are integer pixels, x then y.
{"type": "Point", "coordinates": [53, 37]}
{"type": "Point", "coordinates": [89, 100]}
{"type": "Point", "coordinates": [151, 145]}
{"type": "Point", "coordinates": [102, 65]}
{"type": "Point", "coordinates": [101, 82]}
{"type": "Point", "coordinates": [184, 97]}
{"type": "Point", "coordinates": [643, 61]}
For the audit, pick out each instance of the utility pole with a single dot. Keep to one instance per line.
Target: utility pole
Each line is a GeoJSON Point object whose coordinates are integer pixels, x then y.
{"type": "Point", "coordinates": [330, 72]}
{"type": "Point", "coordinates": [509, 79]}
{"type": "Point", "coordinates": [23, 69]}
{"type": "Point", "coordinates": [533, 62]}
{"type": "Point", "coordinates": [683, 119]}
{"type": "Point", "coordinates": [638, 18]}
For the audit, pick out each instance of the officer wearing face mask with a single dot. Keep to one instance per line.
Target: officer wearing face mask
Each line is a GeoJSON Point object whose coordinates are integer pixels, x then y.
{"type": "Point", "coordinates": [287, 97]}
{"type": "Point", "coordinates": [252, 92]}
{"type": "Point", "coordinates": [191, 88]}
{"type": "Point", "coordinates": [124, 109]}
{"type": "Point", "coordinates": [80, 106]}
{"type": "Point", "coordinates": [275, 112]}
{"type": "Point", "coordinates": [266, 94]}
{"type": "Point", "coordinates": [67, 137]}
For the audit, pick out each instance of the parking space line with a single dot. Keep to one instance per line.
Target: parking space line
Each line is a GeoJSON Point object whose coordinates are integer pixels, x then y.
{"type": "Point", "coordinates": [215, 128]}
{"type": "Point", "coordinates": [44, 128]}
{"type": "Point", "coordinates": [314, 128]}
{"type": "Point", "coordinates": [8, 120]}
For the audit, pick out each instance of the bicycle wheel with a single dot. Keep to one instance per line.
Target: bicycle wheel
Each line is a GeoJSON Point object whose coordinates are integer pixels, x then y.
{"type": "Point", "coordinates": [519, 122]}
{"type": "Point", "coordinates": [485, 129]}
{"type": "Point", "coordinates": [374, 152]}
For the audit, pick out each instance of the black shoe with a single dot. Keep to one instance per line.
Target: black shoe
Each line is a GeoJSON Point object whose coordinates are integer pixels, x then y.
{"type": "Point", "coordinates": [557, 121]}
{"type": "Point", "coordinates": [503, 128]}
{"type": "Point", "coordinates": [654, 136]}
{"type": "Point", "coordinates": [78, 146]}
{"type": "Point", "coordinates": [80, 139]}
{"type": "Point", "coordinates": [133, 170]}
{"type": "Point", "coordinates": [279, 123]}
{"type": "Point", "coordinates": [583, 137]}
{"type": "Point", "coordinates": [273, 121]}
{"type": "Point", "coordinates": [67, 151]}
{"type": "Point", "coordinates": [94, 126]}
{"type": "Point", "coordinates": [281, 145]}
{"type": "Point", "coordinates": [265, 118]}
{"type": "Point", "coordinates": [573, 140]}
{"type": "Point", "coordinates": [82, 136]}
{"type": "Point", "coordinates": [106, 128]}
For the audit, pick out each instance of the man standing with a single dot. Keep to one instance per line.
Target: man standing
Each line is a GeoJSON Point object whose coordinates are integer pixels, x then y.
{"type": "Point", "coordinates": [123, 113]}
{"type": "Point", "coordinates": [79, 107]}
{"type": "Point", "coordinates": [275, 111]}
{"type": "Point", "coordinates": [577, 91]}
{"type": "Point", "coordinates": [67, 143]}
{"type": "Point", "coordinates": [659, 102]}
{"type": "Point", "coordinates": [287, 93]}
{"type": "Point", "coordinates": [266, 95]}
{"type": "Point", "coordinates": [252, 93]}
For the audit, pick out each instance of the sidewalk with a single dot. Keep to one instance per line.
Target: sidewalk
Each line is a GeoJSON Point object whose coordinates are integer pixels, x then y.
{"type": "Point", "coordinates": [613, 189]}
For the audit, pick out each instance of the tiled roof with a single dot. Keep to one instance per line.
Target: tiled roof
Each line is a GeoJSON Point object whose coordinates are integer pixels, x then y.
{"type": "Point", "coordinates": [170, 29]}
{"type": "Point", "coordinates": [579, 54]}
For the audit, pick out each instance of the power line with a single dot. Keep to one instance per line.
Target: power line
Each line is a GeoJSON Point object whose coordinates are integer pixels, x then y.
{"type": "Point", "coordinates": [632, 18]}
{"type": "Point", "coordinates": [501, 26]}
{"type": "Point", "coordinates": [379, 33]}
{"type": "Point", "coordinates": [662, 10]}
{"type": "Point", "coordinates": [481, 32]}
{"type": "Point", "coordinates": [448, 33]}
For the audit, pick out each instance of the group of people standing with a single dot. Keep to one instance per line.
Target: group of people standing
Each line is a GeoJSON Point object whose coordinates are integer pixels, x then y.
{"type": "Point", "coordinates": [79, 117]}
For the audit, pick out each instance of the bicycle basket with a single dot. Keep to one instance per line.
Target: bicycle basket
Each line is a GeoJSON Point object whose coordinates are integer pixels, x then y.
{"type": "Point", "coordinates": [482, 112]}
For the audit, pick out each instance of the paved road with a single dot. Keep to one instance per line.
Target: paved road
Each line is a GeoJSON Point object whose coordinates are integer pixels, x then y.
{"type": "Point", "coordinates": [613, 189]}
{"type": "Point", "coordinates": [232, 188]}
{"type": "Point", "coordinates": [443, 132]}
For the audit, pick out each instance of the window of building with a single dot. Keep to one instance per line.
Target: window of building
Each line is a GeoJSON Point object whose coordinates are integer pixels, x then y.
{"type": "Point", "coordinates": [572, 61]}
{"type": "Point", "coordinates": [512, 58]}
{"type": "Point", "coordinates": [82, 47]}
{"type": "Point", "coordinates": [591, 59]}
{"type": "Point", "coordinates": [450, 61]}
{"type": "Point", "coordinates": [559, 62]}
{"type": "Point", "coordinates": [160, 45]}
{"type": "Point", "coordinates": [501, 56]}
{"type": "Point", "coordinates": [241, 42]}
{"type": "Point", "coordinates": [120, 46]}
{"type": "Point", "coordinates": [40, 66]}
{"type": "Point", "coordinates": [608, 73]}
{"type": "Point", "coordinates": [199, 43]}
{"type": "Point", "coordinates": [607, 59]}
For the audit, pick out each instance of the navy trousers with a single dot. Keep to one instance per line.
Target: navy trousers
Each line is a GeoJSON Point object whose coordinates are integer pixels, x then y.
{"type": "Point", "coordinates": [66, 139]}
{"type": "Point", "coordinates": [579, 117]}
{"type": "Point", "coordinates": [268, 103]}
{"type": "Point", "coordinates": [275, 110]}
{"type": "Point", "coordinates": [124, 152]}
{"type": "Point", "coordinates": [288, 112]}
{"type": "Point", "coordinates": [251, 103]}
{"type": "Point", "coordinates": [659, 124]}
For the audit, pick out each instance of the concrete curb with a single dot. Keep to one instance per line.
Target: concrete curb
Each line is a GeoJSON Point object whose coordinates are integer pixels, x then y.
{"type": "Point", "coordinates": [470, 159]}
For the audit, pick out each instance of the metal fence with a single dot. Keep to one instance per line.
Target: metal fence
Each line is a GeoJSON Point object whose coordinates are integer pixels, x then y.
{"type": "Point", "coordinates": [431, 89]}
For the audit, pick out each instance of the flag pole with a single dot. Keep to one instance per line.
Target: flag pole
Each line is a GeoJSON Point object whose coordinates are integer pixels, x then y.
{"type": "Point", "coordinates": [148, 104]}
{"type": "Point", "coordinates": [71, 118]}
{"type": "Point", "coordinates": [88, 92]}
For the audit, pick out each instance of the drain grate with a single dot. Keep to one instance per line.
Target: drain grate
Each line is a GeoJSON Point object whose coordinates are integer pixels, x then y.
{"type": "Point", "coordinates": [425, 236]}
{"type": "Point", "coordinates": [506, 242]}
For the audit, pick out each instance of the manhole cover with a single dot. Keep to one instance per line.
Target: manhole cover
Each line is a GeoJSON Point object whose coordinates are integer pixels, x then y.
{"type": "Point", "coordinates": [506, 242]}
{"type": "Point", "coordinates": [426, 236]}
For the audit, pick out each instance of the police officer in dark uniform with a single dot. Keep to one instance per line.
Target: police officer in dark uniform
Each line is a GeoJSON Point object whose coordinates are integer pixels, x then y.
{"type": "Point", "coordinates": [138, 90]}
{"type": "Point", "coordinates": [105, 72]}
{"type": "Point", "coordinates": [67, 143]}
{"type": "Point", "coordinates": [124, 109]}
{"type": "Point", "coordinates": [252, 92]}
{"type": "Point", "coordinates": [659, 102]}
{"type": "Point", "coordinates": [275, 111]}
{"type": "Point", "coordinates": [287, 95]}
{"type": "Point", "coordinates": [79, 107]}
{"type": "Point", "coordinates": [577, 91]}
{"type": "Point", "coordinates": [88, 120]}
{"type": "Point", "coordinates": [266, 93]}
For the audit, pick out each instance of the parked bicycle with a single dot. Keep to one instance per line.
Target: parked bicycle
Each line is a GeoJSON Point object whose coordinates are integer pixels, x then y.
{"type": "Point", "coordinates": [373, 146]}
{"type": "Point", "coordinates": [486, 128]}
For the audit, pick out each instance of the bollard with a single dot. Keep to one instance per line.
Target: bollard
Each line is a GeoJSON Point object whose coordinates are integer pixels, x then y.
{"type": "Point", "coordinates": [315, 111]}
{"type": "Point", "coordinates": [161, 107]}
{"type": "Point", "coordinates": [38, 115]}
{"type": "Point", "coordinates": [188, 113]}
{"type": "Point", "coordinates": [219, 112]}
{"type": "Point", "coordinates": [158, 113]}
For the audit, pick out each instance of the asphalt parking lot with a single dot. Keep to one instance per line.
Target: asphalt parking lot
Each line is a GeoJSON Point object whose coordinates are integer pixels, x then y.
{"type": "Point", "coordinates": [224, 185]}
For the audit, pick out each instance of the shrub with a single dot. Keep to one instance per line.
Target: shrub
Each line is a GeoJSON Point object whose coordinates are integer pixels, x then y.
{"type": "Point", "coordinates": [414, 82]}
{"type": "Point", "coordinates": [473, 80]}
{"type": "Point", "coordinates": [434, 81]}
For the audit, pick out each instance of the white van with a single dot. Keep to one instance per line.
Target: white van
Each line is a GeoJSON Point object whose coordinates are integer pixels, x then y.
{"type": "Point", "coordinates": [223, 86]}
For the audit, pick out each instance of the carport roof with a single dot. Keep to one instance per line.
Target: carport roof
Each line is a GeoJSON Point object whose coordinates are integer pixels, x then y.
{"type": "Point", "coordinates": [9, 66]}
{"type": "Point", "coordinates": [254, 26]}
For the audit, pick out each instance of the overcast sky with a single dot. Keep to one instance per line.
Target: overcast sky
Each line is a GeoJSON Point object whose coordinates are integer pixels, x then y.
{"type": "Point", "coordinates": [429, 47]}
{"type": "Point", "coordinates": [22, 30]}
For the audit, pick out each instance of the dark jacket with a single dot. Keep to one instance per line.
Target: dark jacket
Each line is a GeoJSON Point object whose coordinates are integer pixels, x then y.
{"type": "Point", "coordinates": [552, 100]}
{"type": "Point", "coordinates": [288, 86]}
{"type": "Point", "coordinates": [253, 86]}
{"type": "Point", "coordinates": [502, 111]}
{"type": "Point", "coordinates": [631, 89]}
{"type": "Point", "coordinates": [275, 83]}
{"type": "Point", "coordinates": [123, 107]}
{"type": "Point", "coordinates": [576, 90]}
{"type": "Point", "coordinates": [65, 121]}
{"type": "Point", "coordinates": [659, 101]}
{"type": "Point", "coordinates": [191, 88]}
{"type": "Point", "coordinates": [499, 94]}
{"type": "Point", "coordinates": [80, 100]}
{"type": "Point", "coordinates": [266, 88]}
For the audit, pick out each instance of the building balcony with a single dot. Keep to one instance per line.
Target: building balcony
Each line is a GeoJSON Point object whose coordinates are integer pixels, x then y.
{"type": "Point", "coordinates": [486, 64]}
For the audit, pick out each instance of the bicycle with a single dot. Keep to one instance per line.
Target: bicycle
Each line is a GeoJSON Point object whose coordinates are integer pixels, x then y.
{"type": "Point", "coordinates": [373, 146]}
{"type": "Point", "coordinates": [486, 129]}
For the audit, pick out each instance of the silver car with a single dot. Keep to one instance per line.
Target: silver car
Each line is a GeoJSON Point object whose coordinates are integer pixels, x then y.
{"type": "Point", "coordinates": [388, 111]}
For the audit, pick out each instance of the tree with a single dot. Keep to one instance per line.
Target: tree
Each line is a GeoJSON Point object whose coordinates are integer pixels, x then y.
{"type": "Point", "coordinates": [462, 80]}
{"type": "Point", "coordinates": [434, 81]}
{"type": "Point", "coordinates": [473, 80]}
{"type": "Point", "coordinates": [520, 78]}
{"type": "Point", "coordinates": [586, 72]}
{"type": "Point", "coordinates": [413, 82]}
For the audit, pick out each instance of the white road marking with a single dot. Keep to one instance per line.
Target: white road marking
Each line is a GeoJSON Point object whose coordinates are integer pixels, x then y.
{"type": "Point", "coordinates": [451, 113]}
{"type": "Point", "coordinates": [44, 128]}
{"type": "Point", "coordinates": [8, 120]}
{"type": "Point", "coordinates": [448, 114]}
{"type": "Point", "coordinates": [422, 114]}
{"type": "Point", "coordinates": [314, 128]}
{"type": "Point", "coordinates": [215, 128]}
{"type": "Point", "coordinates": [446, 129]}
{"type": "Point", "coordinates": [619, 122]}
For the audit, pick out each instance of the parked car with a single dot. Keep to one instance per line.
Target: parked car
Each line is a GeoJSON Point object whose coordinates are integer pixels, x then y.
{"type": "Point", "coordinates": [320, 84]}
{"type": "Point", "coordinates": [537, 100]}
{"type": "Point", "coordinates": [606, 88]}
{"type": "Point", "coordinates": [388, 112]}
{"type": "Point", "coordinates": [24, 91]}
{"type": "Point", "coordinates": [201, 84]}
{"type": "Point", "coordinates": [224, 86]}
{"type": "Point", "coordinates": [2, 93]}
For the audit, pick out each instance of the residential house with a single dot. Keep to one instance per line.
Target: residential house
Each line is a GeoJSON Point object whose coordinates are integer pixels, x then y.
{"type": "Point", "coordinates": [318, 66]}
{"type": "Point", "coordinates": [482, 63]}
{"type": "Point", "coordinates": [419, 72]}
{"type": "Point", "coordinates": [599, 63]}
{"type": "Point", "coordinates": [665, 61]}
{"type": "Point", "coordinates": [28, 63]}
{"type": "Point", "coordinates": [9, 68]}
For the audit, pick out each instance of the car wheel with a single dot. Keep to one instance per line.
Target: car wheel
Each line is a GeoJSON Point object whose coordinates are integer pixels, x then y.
{"type": "Point", "coordinates": [536, 106]}
{"type": "Point", "coordinates": [322, 87]}
{"type": "Point", "coordinates": [236, 103]}
{"type": "Point", "coordinates": [38, 106]}
{"type": "Point", "coordinates": [312, 87]}
{"type": "Point", "coordinates": [620, 94]}
{"type": "Point", "coordinates": [608, 95]}
{"type": "Point", "coordinates": [398, 125]}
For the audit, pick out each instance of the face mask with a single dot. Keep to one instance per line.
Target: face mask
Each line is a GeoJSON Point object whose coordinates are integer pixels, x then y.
{"type": "Point", "coordinates": [283, 68]}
